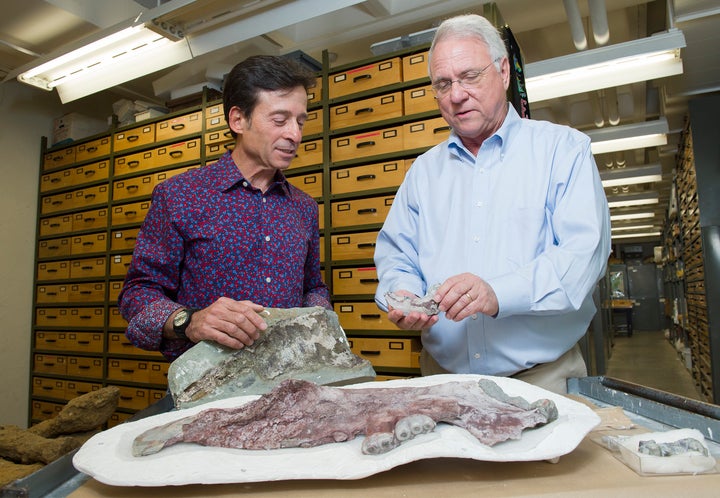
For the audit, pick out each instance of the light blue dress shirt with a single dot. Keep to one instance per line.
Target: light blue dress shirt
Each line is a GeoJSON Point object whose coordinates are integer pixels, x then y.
{"type": "Point", "coordinates": [529, 216]}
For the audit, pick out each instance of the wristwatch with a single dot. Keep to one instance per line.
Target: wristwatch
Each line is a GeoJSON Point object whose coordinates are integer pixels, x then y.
{"type": "Point", "coordinates": [181, 321]}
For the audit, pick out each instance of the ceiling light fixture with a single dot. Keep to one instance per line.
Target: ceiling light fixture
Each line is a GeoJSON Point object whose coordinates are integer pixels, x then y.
{"type": "Point", "coordinates": [645, 59]}
{"type": "Point", "coordinates": [641, 199]}
{"type": "Point", "coordinates": [636, 235]}
{"type": "Point", "coordinates": [631, 176]}
{"type": "Point", "coordinates": [116, 55]}
{"type": "Point", "coordinates": [625, 228]}
{"type": "Point", "coordinates": [638, 215]}
{"type": "Point", "coordinates": [629, 137]}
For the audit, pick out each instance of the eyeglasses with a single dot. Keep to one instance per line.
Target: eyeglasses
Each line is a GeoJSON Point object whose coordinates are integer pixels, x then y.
{"type": "Point", "coordinates": [469, 80]}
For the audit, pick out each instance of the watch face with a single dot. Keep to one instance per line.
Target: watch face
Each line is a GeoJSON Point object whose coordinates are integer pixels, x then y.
{"type": "Point", "coordinates": [180, 318]}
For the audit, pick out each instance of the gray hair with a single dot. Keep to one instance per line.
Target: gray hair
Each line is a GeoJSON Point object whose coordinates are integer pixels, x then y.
{"type": "Point", "coordinates": [473, 26]}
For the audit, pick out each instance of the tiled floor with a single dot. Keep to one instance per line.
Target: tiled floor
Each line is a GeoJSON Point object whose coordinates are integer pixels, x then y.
{"type": "Point", "coordinates": [649, 359]}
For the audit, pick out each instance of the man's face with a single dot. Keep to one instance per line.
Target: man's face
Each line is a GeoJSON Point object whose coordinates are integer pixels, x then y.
{"type": "Point", "coordinates": [477, 111]}
{"type": "Point", "coordinates": [270, 138]}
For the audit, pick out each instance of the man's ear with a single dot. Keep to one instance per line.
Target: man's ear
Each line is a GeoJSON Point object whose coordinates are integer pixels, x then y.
{"type": "Point", "coordinates": [505, 71]}
{"type": "Point", "coordinates": [236, 120]}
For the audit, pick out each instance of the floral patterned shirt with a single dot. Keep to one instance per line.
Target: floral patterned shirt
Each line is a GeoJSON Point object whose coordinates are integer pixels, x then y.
{"type": "Point", "coordinates": [209, 233]}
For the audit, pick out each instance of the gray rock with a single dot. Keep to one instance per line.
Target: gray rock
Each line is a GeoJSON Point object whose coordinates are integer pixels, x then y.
{"type": "Point", "coordinates": [299, 343]}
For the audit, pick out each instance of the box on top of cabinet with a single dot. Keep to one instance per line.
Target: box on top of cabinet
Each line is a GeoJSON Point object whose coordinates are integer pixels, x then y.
{"type": "Point", "coordinates": [74, 126]}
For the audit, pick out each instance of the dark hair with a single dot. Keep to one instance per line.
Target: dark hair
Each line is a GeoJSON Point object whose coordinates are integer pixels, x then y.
{"type": "Point", "coordinates": [261, 72]}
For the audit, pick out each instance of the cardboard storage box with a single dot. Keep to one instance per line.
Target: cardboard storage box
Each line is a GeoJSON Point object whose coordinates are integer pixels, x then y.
{"type": "Point", "coordinates": [73, 126]}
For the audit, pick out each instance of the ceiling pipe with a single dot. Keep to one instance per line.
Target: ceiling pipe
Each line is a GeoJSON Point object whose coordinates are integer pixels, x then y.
{"type": "Point", "coordinates": [599, 21]}
{"type": "Point", "coordinates": [611, 104]}
{"type": "Point", "coordinates": [577, 29]}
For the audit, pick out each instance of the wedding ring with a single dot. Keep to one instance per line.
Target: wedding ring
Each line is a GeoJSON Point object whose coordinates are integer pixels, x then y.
{"type": "Point", "coordinates": [469, 296]}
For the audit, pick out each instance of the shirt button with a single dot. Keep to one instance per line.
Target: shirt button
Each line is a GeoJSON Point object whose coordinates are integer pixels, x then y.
{"type": "Point", "coordinates": [267, 238]}
{"type": "Point", "coordinates": [480, 204]}
{"type": "Point", "coordinates": [477, 356]}
{"type": "Point", "coordinates": [268, 279]}
{"type": "Point", "coordinates": [264, 199]}
{"type": "Point", "coordinates": [476, 238]}
{"type": "Point", "coordinates": [245, 184]}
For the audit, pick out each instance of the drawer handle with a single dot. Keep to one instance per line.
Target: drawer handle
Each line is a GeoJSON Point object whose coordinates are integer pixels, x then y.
{"type": "Point", "coordinates": [441, 129]}
{"type": "Point", "coordinates": [178, 126]}
{"type": "Point", "coordinates": [90, 196]}
{"type": "Point", "coordinates": [52, 270]}
{"type": "Point", "coordinates": [369, 353]}
{"type": "Point", "coordinates": [131, 188]}
{"type": "Point", "coordinates": [50, 340]}
{"type": "Point", "coordinates": [362, 77]}
{"type": "Point", "coordinates": [57, 203]}
{"type": "Point", "coordinates": [90, 172]}
{"type": "Point", "coordinates": [85, 317]}
{"type": "Point", "coordinates": [83, 342]}
{"type": "Point", "coordinates": [369, 280]}
{"type": "Point", "coordinates": [57, 158]}
{"type": "Point", "coordinates": [367, 211]}
{"type": "Point", "coordinates": [370, 316]}
{"type": "Point", "coordinates": [47, 388]}
{"type": "Point", "coordinates": [51, 294]}
{"type": "Point", "coordinates": [46, 412]}
{"type": "Point", "coordinates": [228, 134]}
{"type": "Point", "coordinates": [86, 267]}
{"type": "Point", "coordinates": [88, 244]}
{"type": "Point", "coordinates": [369, 143]}
{"type": "Point", "coordinates": [53, 248]}
{"type": "Point", "coordinates": [232, 146]}
{"type": "Point", "coordinates": [129, 239]}
{"type": "Point", "coordinates": [86, 292]}
{"type": "Point", "coordinates": [133, 138]}
{"type": "Point", "coordinates": [54, 225]}
{"type": "Point", "coordinates": [48, 364]}
{"type": "Point", "coordinates": [130, 213]}
{"type": "Point", "coordinates": [176, 153]}
{"type": "Point", "coordinates": [364, 110]}
{"type": "Point", "coordinates": [133, 164]}
{"type": "Point", "coordinates": [55, 180]}
{"type": "Point", "coordinates": [81, 392]}
{"type": "Point", "coordinates": [92, 149]}
{"type": "Point", "coordinates": [126, 398]}
{"type": "Point", "coordinates": [89, 220]}
{"type": "Point", "coordinates": [84, 367]}
{"type": "Point", "coordinates": [365, 177]}
{"type": "Point", "coordinates": [127, 370]}
{"type": "Point", "coordinates": [366, 245]}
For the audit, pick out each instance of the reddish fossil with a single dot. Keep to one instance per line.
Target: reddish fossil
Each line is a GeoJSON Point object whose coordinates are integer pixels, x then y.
{"type": "Point", "coordinates": [302, 414]}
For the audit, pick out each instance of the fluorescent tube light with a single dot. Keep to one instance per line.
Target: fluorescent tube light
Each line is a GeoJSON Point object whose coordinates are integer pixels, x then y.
{"type": "Point", "coordinates": [117, 55]}
{"type": "Point", "coordinates": [625, 228]}
{"type": "Point", "coordinates": [640, 199]}
{"type": "Point", "coordinates": [657, 56]}
{"type": "Point", "coordinates": [631, 216]}
{"type": "Point", "coordinates": [631, 176]}
{"type": "Point", "coordinates": [629, 137]}
{"type": "Point", "coordinates": [636, 235]}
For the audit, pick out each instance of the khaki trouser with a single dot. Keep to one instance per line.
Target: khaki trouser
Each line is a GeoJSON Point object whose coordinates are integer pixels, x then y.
{"type": "Point", "coordinates": [551, 376]}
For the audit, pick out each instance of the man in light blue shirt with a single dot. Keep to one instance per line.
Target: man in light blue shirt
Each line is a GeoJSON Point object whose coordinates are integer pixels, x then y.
{"type": "Point", "coordinates": [508, 215]}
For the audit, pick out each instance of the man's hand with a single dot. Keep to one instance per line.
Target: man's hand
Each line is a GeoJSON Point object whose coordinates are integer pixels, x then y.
{"type": "Point", "coordinates": [234, 324]}
{"type": "Point", "coordinates": [464, 295]}
{"type": "Point", "coordinates": [413, 320]}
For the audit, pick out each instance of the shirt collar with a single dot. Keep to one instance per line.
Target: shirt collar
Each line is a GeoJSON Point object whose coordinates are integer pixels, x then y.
{"type": "Point", "coordinates": [228, 176]}
{"type": "Point", "coordinates": [509, 125]}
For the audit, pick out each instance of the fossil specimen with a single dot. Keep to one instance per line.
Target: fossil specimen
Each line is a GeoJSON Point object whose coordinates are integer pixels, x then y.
{"type": "Point", "coordinates": [406, 304]}
{"type": "Point", "coordinates": [298, 413]}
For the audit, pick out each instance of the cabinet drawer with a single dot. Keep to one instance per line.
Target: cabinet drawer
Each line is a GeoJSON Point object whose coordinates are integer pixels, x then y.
{"type": "Point", "coordinates": [134, 163]}
{"type": "Point", "coordinates": [85, 366]}
{"type": "Point", "coordinates": [53, 181]}
{"type": "Point", "coordinates": [314, 123]}
{"type": "Point", "coordinates": [365, 78]}
{"type": "Point", "coordinates": [92, 150]}
{"type": "Point", "coordinates": [90, 173]}
{"type": "Point", "coordinates": [425, 133]}
{"type": "Point", "coordinates": [54, 248]}
{"type": "Point", "coordinates": [308, 154]}
{"type": "Point", "coordinates": [418, 100]}
{"type": "Point", "coordinates": [142, 185]}
{"type": "Point", "coordinates": [355, 280]}
{"type": "Point", "coordinates": [89, 220]}
{"type": "Point", "coordinates": [361, 211]}
{"type": "Point", "coordinates": [133, 398]}
{"type": "Point", "coordinates": [124, 239]}
{"type": "Point", "coordinates": [363, 316]}
{"type": "Point", "coordinates": [214, 116]}
{"type": "Point", "coordinates": [404, 353]}
{"type": "Point", "coordinates": [118, 343]}
{"type": "Point", "coordinates": [119, 265]}
{"type": "Point", "coordinates": [91, 196]}
{"type": "Point", "coordinates": [415, 66]}
{"type": "Point", "coordinates": [129, 370]}
{"type": "Point", "coordinates": [55, 341]}
{"type": "Point", "coordinates": [86, 342]}
{"type": "Point", "coordinates": [56, 203]}
{"type": "Point", "coordinates": [88, 268]}
{"type": "Point", "coordinates": [51, 388]}
{"type": "Point", "coordinates": [118, 418]}
{"type": "Point", "coordinates": [43, 410]}
{"type": "Point", "coordinates": [366, 111]}
{"type": "Point", "coordinates": [73, 388]}
{"type": "Point", "coordinates": [315, 93]}
{"type": "Point", "coordinates": [50, 363]}
{"type": "Point", "coordinates": [179, 126]}
{"type": "Point", "coordinates": [115, 318]}
{"type": "Point", "coordinates": [311, 184]}
{"type": "Point", "coordinates": [56, 225]}
{"type": "Point", "coordinates": [130, 213]}
{"type": "Point", "coordinates": [353, 246]}
{"type": "Point", "coordinates": [86, 317]}
{"type": "Point", "coordinates": [115, 289]}
{"type": "Point", "coordinates": [219, 136]}
{"type": "Point", "coordinates": [134, 137]}
{"type": "Point", "coordinates": [177, 153]}
{"type": "Point", "coordinates": [52, 294]}
{"type": "Point", "coordinates": [367, 144]}
{"type": "Point", "coordinates": [218, 149]}
{"type": "Point", "coordinates": [55, 270]}
{"type": "Point", "coordinates": [88, 244]}
{"type": "Point", "coordinates": [86, 292]}
{"type": "Point", "coordinates": [59, 158]}
{"type": "Point", "coordinates": [368, 177]}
